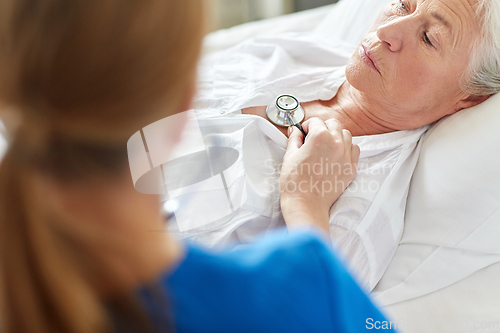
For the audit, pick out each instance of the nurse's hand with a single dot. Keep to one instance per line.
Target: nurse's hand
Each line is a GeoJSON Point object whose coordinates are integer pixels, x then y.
{"type": "Point", "coordinates": [316, 172]}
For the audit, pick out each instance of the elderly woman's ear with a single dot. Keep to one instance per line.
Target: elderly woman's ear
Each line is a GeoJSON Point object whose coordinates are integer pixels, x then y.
{"type": "Point", "coordinates": [470, 101]}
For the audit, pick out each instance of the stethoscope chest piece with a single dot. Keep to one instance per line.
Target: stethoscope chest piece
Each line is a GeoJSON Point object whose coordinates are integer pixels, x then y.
{"type": "Point", "coordinates": [286, 111]}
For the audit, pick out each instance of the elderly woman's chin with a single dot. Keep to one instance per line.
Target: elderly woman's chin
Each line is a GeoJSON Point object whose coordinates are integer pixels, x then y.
{"type": "Point", "coordinates": [360, 75]}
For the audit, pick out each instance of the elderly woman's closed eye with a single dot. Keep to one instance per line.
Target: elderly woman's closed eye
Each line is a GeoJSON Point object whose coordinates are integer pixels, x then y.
{"type": "Point", "coordinates": [415, 66]}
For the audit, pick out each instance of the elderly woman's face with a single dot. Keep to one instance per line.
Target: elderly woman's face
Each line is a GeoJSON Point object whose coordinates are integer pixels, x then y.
{"type": "Point", "coordinates": [419, 48]}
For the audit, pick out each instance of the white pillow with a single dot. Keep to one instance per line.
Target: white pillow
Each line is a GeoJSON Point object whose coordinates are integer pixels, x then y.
{"type": "Point", "coordinates": [452, 223]}
{"type": "Point", "coordinates": [350, 20]}
{"type": "Point", "coordinates": [347, 20]}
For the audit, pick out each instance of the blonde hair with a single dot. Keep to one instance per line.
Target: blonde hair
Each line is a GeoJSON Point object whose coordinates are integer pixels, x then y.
{"type": "Point", "coordinates": [82, 76]}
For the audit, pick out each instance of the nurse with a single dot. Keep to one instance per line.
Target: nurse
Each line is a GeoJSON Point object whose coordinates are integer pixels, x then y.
{"type": "Point", "coordinates": [78, 247]}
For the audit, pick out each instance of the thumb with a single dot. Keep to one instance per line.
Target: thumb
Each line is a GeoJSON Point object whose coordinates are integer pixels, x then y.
{"type": "Point", "coordinates": [295, 139]}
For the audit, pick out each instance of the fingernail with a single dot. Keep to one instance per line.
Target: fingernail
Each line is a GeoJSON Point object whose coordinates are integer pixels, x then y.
{"type": "Point", "coordinates": [290, 130]}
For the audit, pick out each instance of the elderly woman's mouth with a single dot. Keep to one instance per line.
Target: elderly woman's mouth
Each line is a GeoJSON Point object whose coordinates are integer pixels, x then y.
{"type": "Point", "coordinates": [365, 55]}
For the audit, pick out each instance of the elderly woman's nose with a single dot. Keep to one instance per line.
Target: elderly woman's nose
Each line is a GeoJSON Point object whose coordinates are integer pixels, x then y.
{"type": "Point", "coordinates": [391, 34]}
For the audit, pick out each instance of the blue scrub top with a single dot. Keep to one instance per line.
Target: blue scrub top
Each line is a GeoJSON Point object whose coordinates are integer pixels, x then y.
{"type": "Point", "coordinates": [282, 283]}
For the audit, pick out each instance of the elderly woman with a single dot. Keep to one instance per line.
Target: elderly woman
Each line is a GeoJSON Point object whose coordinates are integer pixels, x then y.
{"type": "Point", "coordinates": [421, 61]}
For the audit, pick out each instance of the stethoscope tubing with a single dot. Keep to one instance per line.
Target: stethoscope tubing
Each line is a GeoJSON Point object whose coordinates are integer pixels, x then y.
{"type": "Point", "coordinates": [298, 125]}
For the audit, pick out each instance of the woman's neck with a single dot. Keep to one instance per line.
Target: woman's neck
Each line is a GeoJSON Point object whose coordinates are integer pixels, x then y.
{"type": "Point", "coordinates": [349, 107]}
{"type": "Point", "coordinates": [350, 110]}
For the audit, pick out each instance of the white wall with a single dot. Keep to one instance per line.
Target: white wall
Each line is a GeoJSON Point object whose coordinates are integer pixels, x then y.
{"type": "Point", "coordinates": [271, 8]}
{"type": "Point", "coordinates": [227, 13]}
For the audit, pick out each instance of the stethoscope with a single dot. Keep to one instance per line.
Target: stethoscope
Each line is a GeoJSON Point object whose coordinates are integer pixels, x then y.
{"type": "Point", "coordinates": [286, 111]}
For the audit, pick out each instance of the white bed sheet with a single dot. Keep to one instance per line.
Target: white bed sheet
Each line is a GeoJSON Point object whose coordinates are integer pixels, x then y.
{"type": "Point", "coordinates": [470, 305]}
{"type": "Point", "coordinates": [306, 21]}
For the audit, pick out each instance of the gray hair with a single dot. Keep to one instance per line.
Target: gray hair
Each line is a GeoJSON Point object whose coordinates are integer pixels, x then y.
{"type": "Point", "coordinates": [483, 74]}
